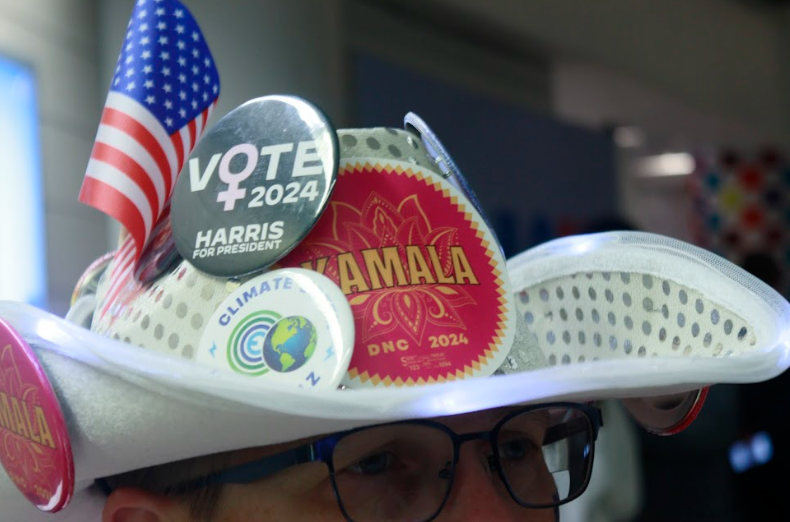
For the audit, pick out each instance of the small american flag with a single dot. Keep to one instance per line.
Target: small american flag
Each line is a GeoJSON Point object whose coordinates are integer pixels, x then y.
{"type": "Point", "coordinates": [162, 93]}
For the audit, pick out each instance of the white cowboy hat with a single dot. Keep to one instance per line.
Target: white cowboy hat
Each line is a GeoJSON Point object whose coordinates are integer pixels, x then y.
{"type": "Point", "coordinates": [613, 315]}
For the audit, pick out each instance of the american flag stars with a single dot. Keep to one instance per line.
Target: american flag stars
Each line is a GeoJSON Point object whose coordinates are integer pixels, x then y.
{"type": "Point", "coordinates": [163, 43]}
{"type": "Point", "coordinates": [155, 112]}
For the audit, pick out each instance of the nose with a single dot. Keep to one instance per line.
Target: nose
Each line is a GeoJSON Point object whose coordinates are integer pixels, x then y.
{"type": "Point", "coordinates": [478, 493]}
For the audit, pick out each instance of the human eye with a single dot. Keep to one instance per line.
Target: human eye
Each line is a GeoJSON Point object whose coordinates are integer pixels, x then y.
{"type": "Point", "coordinates": [516, 447]}
{"type": "Point", "coordinates": [375, 464]}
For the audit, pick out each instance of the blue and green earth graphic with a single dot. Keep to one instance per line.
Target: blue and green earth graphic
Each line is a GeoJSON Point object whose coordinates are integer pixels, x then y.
{"type": "Point", "coordinates": [290, 344]}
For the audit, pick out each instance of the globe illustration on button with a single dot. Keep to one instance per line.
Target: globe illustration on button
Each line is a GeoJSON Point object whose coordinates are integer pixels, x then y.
{"type": "Point", "coordinates": [290, 344]}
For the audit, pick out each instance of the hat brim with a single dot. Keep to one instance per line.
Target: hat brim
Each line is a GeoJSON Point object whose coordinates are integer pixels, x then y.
{"type": "Point", "coordinates": [181, 409]}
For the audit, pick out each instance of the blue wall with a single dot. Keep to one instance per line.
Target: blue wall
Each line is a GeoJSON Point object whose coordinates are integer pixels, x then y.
{"type": "Point", "coordinates": [536, 177]}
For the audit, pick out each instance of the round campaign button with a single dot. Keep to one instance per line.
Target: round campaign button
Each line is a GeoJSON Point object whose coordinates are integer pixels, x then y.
{"type": "Point", "coordinates": [429, 290]}
{"type": "Point", "coordinates": [88, 282]}
{"type": "Point", "coordinates": [293, 327]}
{"type": "Point", "coordinates": [254, 186]}
{"type": "Point", "coordinates": [444, 161]}
{"type": "Point", "coordinates": [34, 443]}
{"type": "Point", "coordinates": [159, 254]}
{"type": "Point", "coordinates": [666, 414]}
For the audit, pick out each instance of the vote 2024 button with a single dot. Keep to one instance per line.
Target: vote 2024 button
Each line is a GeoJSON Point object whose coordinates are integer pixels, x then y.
{"type": "Point", "coordinates": [254, 186]}
{"type": "Point", "coordinates": [34, 443]}
{"type": "Point", "coordinates": [422, 272]}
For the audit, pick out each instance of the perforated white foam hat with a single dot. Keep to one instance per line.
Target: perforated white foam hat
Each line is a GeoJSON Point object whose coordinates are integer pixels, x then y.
{"type": "Point", "coordinates": [609, 315]}
{"type": "Point", "coordinates": [613, 315]}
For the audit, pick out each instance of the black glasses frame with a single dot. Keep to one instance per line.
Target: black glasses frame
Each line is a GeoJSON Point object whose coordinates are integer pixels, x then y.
{"type": "Point", "coordinates": [322, 450]}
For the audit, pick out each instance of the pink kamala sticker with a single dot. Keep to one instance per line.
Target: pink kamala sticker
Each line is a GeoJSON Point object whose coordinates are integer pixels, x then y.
{"type": "Point", "coordinates": [34, 443]}
{"type": "Point", "coordinates": [422, 274]}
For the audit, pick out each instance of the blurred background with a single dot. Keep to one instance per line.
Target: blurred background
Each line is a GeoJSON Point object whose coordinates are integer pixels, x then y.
{"type": "Point", "coordinates": [671, 117]}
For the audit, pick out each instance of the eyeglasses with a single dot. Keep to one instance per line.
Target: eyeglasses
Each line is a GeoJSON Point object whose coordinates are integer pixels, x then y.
{"type": "Point", "coordinates": [403, 471]}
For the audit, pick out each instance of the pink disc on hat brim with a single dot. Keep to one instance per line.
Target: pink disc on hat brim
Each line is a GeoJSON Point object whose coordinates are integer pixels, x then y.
{"type": "Point", "coordinates": [667, 414]}
{"type": "Point", "coordinates": [34, 444]}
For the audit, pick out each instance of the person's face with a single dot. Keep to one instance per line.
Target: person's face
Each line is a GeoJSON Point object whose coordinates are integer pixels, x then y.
{"type": "Point", "coordinates": [305, 493]}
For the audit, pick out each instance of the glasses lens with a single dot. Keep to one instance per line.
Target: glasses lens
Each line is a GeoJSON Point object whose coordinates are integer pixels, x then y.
{"type": "Point", "coordinates": [546, 455]}
{"type": "Point", "coordinates": [393, 473]}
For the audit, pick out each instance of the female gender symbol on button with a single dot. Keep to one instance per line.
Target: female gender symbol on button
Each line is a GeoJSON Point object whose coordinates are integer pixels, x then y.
{"type": "Point", "coordinates": [248, 146]}
{"type": "Point", "coordinates": [233, 193]}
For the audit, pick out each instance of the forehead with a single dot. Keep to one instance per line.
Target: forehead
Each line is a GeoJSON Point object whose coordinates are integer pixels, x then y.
{"type": "Point", "coordinates": [476, 421]}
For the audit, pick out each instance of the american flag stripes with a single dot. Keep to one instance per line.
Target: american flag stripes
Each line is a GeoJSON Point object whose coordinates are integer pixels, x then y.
{"type": "Point", "coordinates": [162, 93]}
